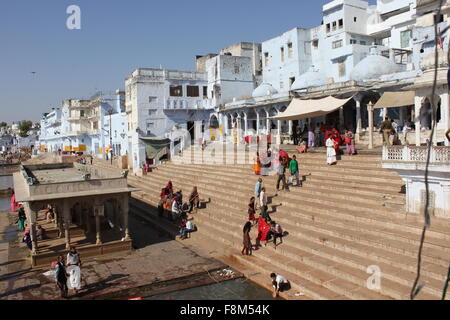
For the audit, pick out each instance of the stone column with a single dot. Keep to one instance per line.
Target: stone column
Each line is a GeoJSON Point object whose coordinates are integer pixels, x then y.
{"type": "Point", "coordinates": [67, 221]}
{"type": "Point", "coordinates": [445, 114]}
{"type": "Point", "coordinates": [358, 99]}
{"type": "Point", "coordinates": [125, 210]}
{"type": "Point", "coordinates": [341, 117]}
{"type": "Point", "coordinates": [370, 116]}
{"type": "Point", "coordinates": [278, 132]}
{"type": "Point", "coordinates": [245, 124]}
{"type": "Point", "coordinates": [417, 106]}
{"type": "Point", "coordinates": [257, 122]}
{"type": "Point", "coordinates": [290, 127]}
{"type": "Point", "coordinates": [385, 113]}
{"type": "Point", "coordinates": [238, 128]}
{"type": "Point", "coordinates": [31, 219]}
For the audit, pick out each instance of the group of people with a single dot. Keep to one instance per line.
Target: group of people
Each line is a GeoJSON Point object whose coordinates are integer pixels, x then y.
{"type": "Point", "coordinates": [68, 275]}
{"type": "Point", "coordinates": [172, 205]}
{"type": "Point", "coordinates": [267, 228]}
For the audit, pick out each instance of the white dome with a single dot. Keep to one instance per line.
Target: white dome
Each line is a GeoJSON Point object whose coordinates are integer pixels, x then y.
{"type": "Point", "coordinates": [373, 67]}
{"type": "Point", "coordinates": [265, 89]}
{"type": "Point", "coordinates": [310, 78]}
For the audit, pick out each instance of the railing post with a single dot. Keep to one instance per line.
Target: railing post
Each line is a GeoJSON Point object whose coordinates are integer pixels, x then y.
{"type": "Point", "coordinates": [405, 156]}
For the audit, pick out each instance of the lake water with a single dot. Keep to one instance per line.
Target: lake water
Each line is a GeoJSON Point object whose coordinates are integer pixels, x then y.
{"type": "Point", "coordinates": [237, 289]}
{"type": "Point", "coordinates": [6, 181]}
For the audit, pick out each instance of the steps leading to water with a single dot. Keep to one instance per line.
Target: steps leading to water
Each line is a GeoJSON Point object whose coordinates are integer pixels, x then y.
{"type": "Point", "coordinates": [340, 223]}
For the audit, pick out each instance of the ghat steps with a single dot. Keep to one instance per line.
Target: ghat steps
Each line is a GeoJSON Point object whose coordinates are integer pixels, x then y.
{"type": "Point", "coordinates": [340, 222]}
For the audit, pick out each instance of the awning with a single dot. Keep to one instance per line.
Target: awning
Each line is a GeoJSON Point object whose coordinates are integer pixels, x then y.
{"type": "Point", "coordinates": [396, 99]}
{"type": "Point", "coordinates": [155, 146]}
{"type": "Point", "coordinates": [304, 109]}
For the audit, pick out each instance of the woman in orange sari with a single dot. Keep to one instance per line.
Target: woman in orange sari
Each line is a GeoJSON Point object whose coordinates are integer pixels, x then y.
{"type": "Point", "coordinates": [257, 164]}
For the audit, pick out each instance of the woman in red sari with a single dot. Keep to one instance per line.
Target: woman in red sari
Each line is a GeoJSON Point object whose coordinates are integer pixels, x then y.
{"type": "Point", "coordinates": [337, 140]}
{"type": "Point", "coordinates": [14, 204]}
{"type": "Point", "coordinates": [263, 229]}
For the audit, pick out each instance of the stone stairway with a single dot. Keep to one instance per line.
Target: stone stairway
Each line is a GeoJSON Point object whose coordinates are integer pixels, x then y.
{"type": "Point", "coordinates": [344, 219]}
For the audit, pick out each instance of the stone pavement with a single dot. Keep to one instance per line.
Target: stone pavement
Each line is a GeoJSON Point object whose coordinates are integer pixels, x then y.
{"type": "Point", "coordinates": [158, 259]}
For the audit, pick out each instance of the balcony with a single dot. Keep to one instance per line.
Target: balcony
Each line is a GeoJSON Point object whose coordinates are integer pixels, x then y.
{"type": "Point", "coordinates": [418, 155]}
{"type": "Point", "coordinates": [182, 103]}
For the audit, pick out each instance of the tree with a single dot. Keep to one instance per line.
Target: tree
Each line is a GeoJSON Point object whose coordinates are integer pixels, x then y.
{"type": "Point", "coordinates": [3, 124]}
{"type": "Point", "coordinates": [24, 127]}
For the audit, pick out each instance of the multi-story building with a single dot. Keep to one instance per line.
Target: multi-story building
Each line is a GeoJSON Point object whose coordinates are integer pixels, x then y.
{"type": "Point", "coordinates": [160, 103]}
{"type": "Point", "coordinates": [84, 126]}
{"type": "Point", "coordinates": [358, 52]}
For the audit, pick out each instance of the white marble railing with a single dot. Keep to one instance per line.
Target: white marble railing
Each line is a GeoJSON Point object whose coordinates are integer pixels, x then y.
{"type": "Point", "coordinates": [416, 154]}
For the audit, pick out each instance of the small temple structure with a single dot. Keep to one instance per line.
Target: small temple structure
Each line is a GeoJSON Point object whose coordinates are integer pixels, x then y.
{"type": "Point", "coordinates": [90, 208]}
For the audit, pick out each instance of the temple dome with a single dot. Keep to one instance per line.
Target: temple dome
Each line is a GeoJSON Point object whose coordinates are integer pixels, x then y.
{"type": "Point", "coordinates": [265, 89]}
{"type": "Point", "coordinates": [373, 67]}
{"type": "Point", "coordinates": [311, 78]}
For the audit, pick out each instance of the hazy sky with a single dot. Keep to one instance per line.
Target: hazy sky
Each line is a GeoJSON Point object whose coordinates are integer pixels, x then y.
{"type": "Point", "coordinates": [118, 36]}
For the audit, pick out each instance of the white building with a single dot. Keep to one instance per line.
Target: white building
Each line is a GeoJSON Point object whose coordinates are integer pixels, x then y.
{"type": "Point", "coordinates": [359, 51]}
{"type": "Point", "coordinates": [84, 126]}
{"type": "Point", "coordinates": [160, 103]}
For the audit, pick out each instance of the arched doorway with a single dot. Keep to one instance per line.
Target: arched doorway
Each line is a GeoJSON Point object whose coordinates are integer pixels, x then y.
{"type": "Point", "coordinates": [426, 112]}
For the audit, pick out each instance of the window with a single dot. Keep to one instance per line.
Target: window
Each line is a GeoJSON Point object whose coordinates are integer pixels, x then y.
{"type": "Point", "coordinates": [152, 99]}
{"type": "Point", "coordinates": [236, 69]}
{"type": "Point", "coordinates": [266, 59]}
{"type": "Point", "coordinates": [337, 44]}
{"type": "Point", "coordinates": [353, 41]}
{"type": "Point", "coordinates": [334, 25]}
{"type": "Point", "coordinates": [315, 44]}
{"type": "Point", "coordinates": [152, 112]}
{"type": "Point", "coordinates": [328, 27]}
{"type": "Point", "coordinates": [193, 91]}
{"type": "Point", "coordinates": [281, 85]}
{"type": "Point", "coordinates": [291, 81]}
{"type": "Point", "coordinates": [354, 19]}
{"type": "Point", "coordinates": [176, 91]}
{"type": "Point", "coordinates": [81, 113]}
{"type": "Point", "coordinates": [205, 92]}
{"type": "Point", "coordinates": [282, 54]}
{"type": "Point", "coordinates": [341, 23]}
{"type": "Point", "coordinates": [405, 37]}
{"type": "Point", "coordinates": [362, 42]}
{"type": "Point", "coordinates": [290, 50]}
{"type": "Point", "coordinates": [95, 125]}
{"type": "Point", "coordinates": [440, 18]}
{"type": "Point", "coordinates": [341, 67]}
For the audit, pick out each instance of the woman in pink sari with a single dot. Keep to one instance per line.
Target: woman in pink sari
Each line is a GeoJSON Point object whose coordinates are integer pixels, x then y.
{"type": "Point", "coordinates": [14, 204]}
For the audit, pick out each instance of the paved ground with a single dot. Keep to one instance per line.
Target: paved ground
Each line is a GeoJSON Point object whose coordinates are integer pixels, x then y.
{"type": "Point", "coordinates": [156, 258]}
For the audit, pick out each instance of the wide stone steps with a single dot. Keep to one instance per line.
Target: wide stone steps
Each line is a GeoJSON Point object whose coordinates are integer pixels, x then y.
{"type": "Point", "coordinates": [334, 255]}
{"type": "Point", "coordinates": [363, 251]}
{"type": "Point", "coordinates": [313, 188]}
{"type": "Point", "coordinates": [306, 236]}
{"type": "Point", "coordinates": [287, 201]}
{"type": "Point", "coordinates": [389, 183]}
{"type": "Point", "coordinates": [334, 240]}
{"type": "Point", "coordinates": [396, 234]}
{"type": "Point", "coordinates": [354, 230]}
{"type": "Point", "coordinates": [316, 268]}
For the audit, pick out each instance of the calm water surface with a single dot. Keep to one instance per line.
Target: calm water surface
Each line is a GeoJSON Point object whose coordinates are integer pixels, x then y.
{"type": "Point", "coordinates": [238, 289]}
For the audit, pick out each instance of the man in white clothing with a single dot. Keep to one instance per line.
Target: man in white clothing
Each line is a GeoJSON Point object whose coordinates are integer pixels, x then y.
{"type": "Point", "coordinates": [263, 204]}
{"type": "Point", "coordinates": [279, 284]}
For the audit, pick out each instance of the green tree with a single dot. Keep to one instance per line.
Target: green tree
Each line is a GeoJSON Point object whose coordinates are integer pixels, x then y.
{"type": "Point", "coordinates": [3, 124]}
{"type": "Point", "coordinates": [24, 127]}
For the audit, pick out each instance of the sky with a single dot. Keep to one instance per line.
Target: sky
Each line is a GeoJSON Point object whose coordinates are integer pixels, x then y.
{"type": "Point", "coordinates": [118, 36]}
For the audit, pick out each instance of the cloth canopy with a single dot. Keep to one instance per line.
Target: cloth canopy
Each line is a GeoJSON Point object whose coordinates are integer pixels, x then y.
{"type": "Point", "coordinates": [154, 146]}
{"type": "Point", "coordinates": [396, 99]}
{"type": "Point", "coordinates": [304, 109]}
